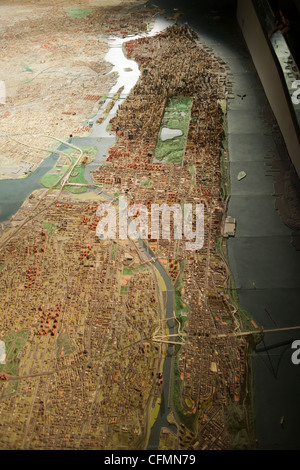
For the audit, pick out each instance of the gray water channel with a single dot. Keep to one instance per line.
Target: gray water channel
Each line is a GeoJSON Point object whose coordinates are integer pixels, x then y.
{"type": "Point", "coordinates": [14, 192]}
{"type": "Point", "coordinates": [164, 410]}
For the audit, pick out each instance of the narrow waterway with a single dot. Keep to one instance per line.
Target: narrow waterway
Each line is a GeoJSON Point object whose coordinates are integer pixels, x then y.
{"type": "Point", "coordinates": [14, 192]}
{"type": "Point", "coordinates": [128, 75]}
{"type": "Point", "coordinates": [165, 406]}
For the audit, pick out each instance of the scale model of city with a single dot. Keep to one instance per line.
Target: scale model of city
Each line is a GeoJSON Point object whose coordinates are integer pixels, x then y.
{"type": "Point", "coordinates": [116, 343]}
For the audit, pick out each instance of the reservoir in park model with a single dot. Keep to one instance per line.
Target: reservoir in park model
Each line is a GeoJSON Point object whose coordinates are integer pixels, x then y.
{"type": "Point", "coordinates": [172, 137]}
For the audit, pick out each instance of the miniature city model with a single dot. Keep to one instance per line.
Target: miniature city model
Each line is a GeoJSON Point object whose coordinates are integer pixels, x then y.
{"type": "Point", "coordinates": [99, 331]}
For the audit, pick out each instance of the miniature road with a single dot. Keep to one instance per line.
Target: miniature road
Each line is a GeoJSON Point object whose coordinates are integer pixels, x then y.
{"type": "Point", "coordinates": [30, 414]}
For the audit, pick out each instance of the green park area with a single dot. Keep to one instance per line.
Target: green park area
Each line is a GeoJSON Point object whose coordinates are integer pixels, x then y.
{"type": "Point", "coordinates": [14, 344]}
{"type": "Point", "coordinates": [55, 175]}
{"type": "Point", "coordinates": [50, 228]}
{"type": "Point", "coordinates": [77, 12]}
{"type": "Point", "coordinates": [64, 344]}
{"type": "Point", "coordinates": [173, 131]}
